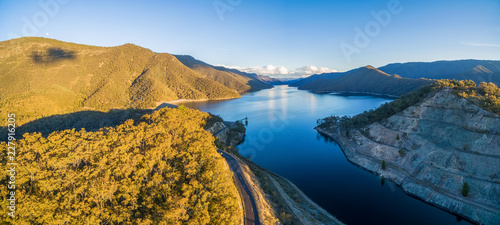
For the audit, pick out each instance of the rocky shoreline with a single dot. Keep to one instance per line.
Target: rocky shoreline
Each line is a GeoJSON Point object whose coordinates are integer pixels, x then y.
{"type": "Point", "coordinates": [431, 150]}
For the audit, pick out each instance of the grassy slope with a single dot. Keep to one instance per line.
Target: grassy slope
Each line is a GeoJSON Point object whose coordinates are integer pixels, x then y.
{"type": "Point", "coordinates": [43, 77]}
{"type": "Point", "coordinates": [237, 81]}
{"type": "Point", "coordinates": [367, 80]}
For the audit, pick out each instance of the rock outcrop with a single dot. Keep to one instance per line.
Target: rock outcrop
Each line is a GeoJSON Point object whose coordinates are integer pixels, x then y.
{"type": "Point", "coordinates": [433, 149]}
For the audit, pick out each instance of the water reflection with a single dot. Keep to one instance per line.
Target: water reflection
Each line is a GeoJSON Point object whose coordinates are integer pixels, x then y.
{"type": "Point", "coordinates": [281, 138]}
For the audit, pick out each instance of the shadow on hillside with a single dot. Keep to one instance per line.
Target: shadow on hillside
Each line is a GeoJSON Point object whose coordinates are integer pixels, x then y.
{"type": "Point", "coordinates": [52, 55]}
{"type": "Point", "coordinates": [89, 120]}
{"type": "Point", "coordinates": [165, 105]}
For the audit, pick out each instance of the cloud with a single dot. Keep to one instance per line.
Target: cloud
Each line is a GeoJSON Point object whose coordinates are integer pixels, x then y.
{"type": "Point", "coordinates": [310, 70]}
{"type": "Point", "coordinates": [480, 44]}
{"type": "Point", "coordinates": [262, 70]}
{"type": "Point", "coordinates": [281, 71]}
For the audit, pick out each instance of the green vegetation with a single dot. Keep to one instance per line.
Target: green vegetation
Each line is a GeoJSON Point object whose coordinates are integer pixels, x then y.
{"type": "Point", "coordinates": [384, 165]}
{"type": "Point", "coordinates": [160, 169]}
{"type": "Point", "coordinates": [43, 77]}
{"type": "Point", "coordinates": [397, 137]}
{"type": "Point", "coordinates": [486, 95]}
{"type": "Point", "coordinates": [402, 152]}
{"type": "Point", "coordinates": [212, 120]}
{"type": "Point", "coordinates": [384, 111]}
{"type": "Point", "coordinates": [237, 129]}
{"type": "Point", "coordinates": [465, 189]}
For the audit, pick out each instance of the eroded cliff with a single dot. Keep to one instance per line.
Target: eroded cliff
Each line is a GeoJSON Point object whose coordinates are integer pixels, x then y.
{"type": "Point", "coordinates": [434, 149]}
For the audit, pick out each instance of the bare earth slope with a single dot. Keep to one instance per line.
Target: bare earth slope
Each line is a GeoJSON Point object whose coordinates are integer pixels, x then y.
{"type": "Point", "coordinates": [431, 149]}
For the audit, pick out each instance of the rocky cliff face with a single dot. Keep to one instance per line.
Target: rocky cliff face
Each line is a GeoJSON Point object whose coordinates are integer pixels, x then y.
{"type": "Point", "coordinates": [432, 149]}
{"type": "Point", "coordinates": [226, 133]}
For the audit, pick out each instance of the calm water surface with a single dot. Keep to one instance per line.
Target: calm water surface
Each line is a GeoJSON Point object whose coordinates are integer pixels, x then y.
{"type": "Point", "coordinates": [280, 137]}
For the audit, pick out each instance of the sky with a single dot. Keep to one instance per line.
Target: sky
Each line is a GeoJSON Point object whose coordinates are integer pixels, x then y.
{"type": "Point", "coordinates": [271, 37]}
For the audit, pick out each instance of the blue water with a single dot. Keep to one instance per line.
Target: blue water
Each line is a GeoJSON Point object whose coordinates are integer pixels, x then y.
{"type": "Point", "coordinates": [281, 138]}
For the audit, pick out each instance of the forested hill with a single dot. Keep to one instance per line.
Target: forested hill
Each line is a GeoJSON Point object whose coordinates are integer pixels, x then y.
{"type": "Point", "coordinates": [476, 70]}
{"type": "Point", "coordinates": [363, 80]}
{"type": "Point", "coordinates": [233, 79]}
{"type": "Point", "coordinates": [310, 79]}
{"type": "Point", "coordinates": [160, 169]}
{"type": "Point", "coordinates": [42, 77]}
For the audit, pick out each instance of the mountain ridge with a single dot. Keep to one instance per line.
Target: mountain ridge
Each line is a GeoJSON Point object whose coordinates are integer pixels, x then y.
{"type": "Point", "coordinates": [366, 79]}
{"type": "Point", "coordinates": [466, 69]}
{"type": "Point", "coordinates": [45, 77]}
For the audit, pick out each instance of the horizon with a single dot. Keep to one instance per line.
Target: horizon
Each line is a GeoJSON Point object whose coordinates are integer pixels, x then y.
{"type": "Point", "coordinates": [278, 39]}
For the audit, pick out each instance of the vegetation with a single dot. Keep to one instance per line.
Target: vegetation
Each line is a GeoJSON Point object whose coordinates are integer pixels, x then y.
{"type": "Point", "coordinates": [43, 77]}
{"type": "Point", "coordinates": [212, 120]}
{"type": "Point", "coordinates": [465, 189]}
{"type": "Point", "coordinates": [402, 152]}
{"type": "Point", "coordinates": [384, 165]}
{"type": "Point", "coordinates": [485, 95]}
{"type": "Point", "coordinates": [231, 79]}
{"type": "Point", "coordinates": [374, 115]}
{"type": "Point", "coordinates": [362, 80]}
{"type": "Point", "coordinates": [160, 169]}
{"type": "Point", "coordinates": [237, 130]}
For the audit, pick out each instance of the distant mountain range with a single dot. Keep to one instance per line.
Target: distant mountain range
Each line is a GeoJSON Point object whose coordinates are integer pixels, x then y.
{"type": "Point", "coordinates": [43, 77]}
{"type": "Point", "coordinates": [406, 77]}
{"type": "Point", "coordinates": [234, 79]}
{"type": "Point", "coordinates": [476, 70]}
{"type": "Point", "coordinates": [367, 80]}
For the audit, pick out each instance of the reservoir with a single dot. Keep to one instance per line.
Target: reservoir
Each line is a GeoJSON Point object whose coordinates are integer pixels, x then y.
{"type": "Point", "coordinates": [280, 137]}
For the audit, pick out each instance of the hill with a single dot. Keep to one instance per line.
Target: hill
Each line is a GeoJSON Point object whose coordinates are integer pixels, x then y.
{"type": "Point", "coordinates": [233, 79]}
{"type": "Point", "coordinates": [476, 70]}
{"type": "Point", "coordinates": [323, 76]}
{"type": "Point", "coordinates": [439, 143]}
{"type": "Point", "coordinates": [160, 169]}
{"type": "Point", "coordinates": [363, 80]}
{"type": "Point", "coordinates": [43, 77]}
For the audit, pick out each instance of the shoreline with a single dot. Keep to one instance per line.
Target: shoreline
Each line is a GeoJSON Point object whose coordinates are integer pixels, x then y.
{"type": "Point", "coordinates": [180, 101]}
{"type": "Point", "coordinates": [353, 93]}
{"type": "Point", "coordinates": [350, 152]}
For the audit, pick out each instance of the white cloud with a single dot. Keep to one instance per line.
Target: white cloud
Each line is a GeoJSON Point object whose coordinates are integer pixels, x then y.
{"type": "Point", "coordinates": [282, 72]}
{"type": "Point", "coordinates": [480, 44]}
{"type": "Point", "coordinates": [310, 70]}
{"type": "Point", "coordinates": [262, 70]}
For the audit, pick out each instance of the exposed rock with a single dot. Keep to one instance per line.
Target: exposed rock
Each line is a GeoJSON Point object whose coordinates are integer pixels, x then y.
{"type": "Point", "coordinates": [224, 132]}
{"type": "Point", "coordinates": [431, 149]}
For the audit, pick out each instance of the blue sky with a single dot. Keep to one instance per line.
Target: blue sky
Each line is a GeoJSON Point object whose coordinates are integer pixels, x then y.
{"type": "Point", "coordinates": [273, 37]}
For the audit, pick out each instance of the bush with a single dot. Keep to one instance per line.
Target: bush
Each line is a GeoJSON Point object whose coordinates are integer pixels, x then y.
{"type": "Point", "coordinates": [384, 165]}
{"type": "Point", "coordinates": [465, 189]}
{"type": "Point", "coordinates": [402, 152]}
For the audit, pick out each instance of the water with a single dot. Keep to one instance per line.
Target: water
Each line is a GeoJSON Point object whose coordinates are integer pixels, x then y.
{"type": "Point", "coordinates": [281, 138]}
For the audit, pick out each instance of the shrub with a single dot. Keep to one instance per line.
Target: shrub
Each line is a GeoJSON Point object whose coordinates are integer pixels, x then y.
{"type": "Point", "coordinates": [465, 189]}
{"type": "Point", "coordinates": [402, 152]}
{"type": "Point", "coordinates": [384, 165]}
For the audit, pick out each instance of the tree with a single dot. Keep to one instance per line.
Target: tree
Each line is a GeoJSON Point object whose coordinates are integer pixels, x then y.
{"type": "Point", "coordinates": [465, 189]}
{"type": "Point", "coordinates": [161, 168]}
{"type": "Point", "coordinates": [384, 166]}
